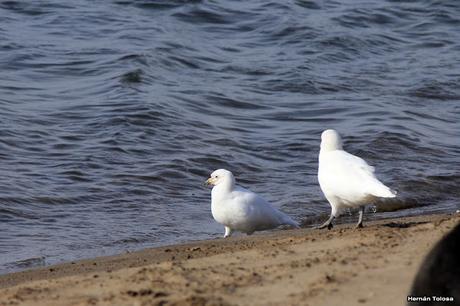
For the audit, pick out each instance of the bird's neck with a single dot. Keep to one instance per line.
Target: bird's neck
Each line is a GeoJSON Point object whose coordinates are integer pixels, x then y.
{"type": "Point", "coordinates": [330, 148]}
{"type": "Point", "coordinates": [324, 154]}
{"type": "Point", "coordinates": [331, 145]}
{"type": "Point", "coordinates": [225, 186]}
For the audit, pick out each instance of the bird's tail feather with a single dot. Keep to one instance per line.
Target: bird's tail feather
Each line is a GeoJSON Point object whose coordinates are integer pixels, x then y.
{"type": "Point", "coordinates": [383, 191]}
{"type": "Point", "coordinates": [285, 219]}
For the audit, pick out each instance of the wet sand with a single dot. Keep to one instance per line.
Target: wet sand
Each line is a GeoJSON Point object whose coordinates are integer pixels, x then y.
{"type": "Point", "coordinates": [370, 266]}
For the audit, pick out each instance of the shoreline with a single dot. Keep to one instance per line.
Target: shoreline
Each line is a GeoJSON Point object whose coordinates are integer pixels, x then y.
{"type": "Point", "coordinates": [306, 266]}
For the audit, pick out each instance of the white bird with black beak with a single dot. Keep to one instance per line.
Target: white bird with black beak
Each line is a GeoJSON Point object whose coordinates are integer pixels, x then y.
{"type": "Point", "coordinates": [346, 180]}
{"type": "Point", "coordinates": [239, 209]}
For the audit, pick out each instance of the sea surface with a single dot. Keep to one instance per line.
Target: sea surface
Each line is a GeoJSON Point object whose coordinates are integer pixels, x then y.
{"type": "Point", "coordinates": [114, 113]}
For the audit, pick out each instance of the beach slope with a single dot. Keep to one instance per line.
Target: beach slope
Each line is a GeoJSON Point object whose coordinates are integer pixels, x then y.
{"type": "Point", "coordinates": [370, 266]}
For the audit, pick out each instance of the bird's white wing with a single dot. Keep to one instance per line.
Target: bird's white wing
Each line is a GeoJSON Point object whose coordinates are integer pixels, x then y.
{"type": "Point", "coordinates": [348, 177]}
{"type": "Point", "coordinates": [256, 210]}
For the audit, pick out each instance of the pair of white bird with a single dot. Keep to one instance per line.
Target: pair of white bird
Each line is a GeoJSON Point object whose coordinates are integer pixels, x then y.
{"type": "Point", "coordinates": [346, 181]}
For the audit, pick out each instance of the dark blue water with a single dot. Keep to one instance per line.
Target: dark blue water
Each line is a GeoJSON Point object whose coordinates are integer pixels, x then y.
{"type": "Point", "coordinates": [113, 113]}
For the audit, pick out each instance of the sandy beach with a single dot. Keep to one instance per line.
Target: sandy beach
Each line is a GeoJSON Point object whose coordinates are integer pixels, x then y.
{"type": "Point", "coordinates": [345, 266]}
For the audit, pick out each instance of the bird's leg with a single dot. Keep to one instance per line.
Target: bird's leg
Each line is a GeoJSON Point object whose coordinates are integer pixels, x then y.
{"type": "Point", "coordinates": [228, 232]}
{"type": "Point", "coordinates": [328, 223]}
{"type": "Point", "coordinates": [360, 220]}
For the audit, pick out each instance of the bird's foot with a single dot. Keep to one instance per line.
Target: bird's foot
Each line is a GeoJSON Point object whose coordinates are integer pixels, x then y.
{"type": "Point", "coordinates": [360, 220]}
{"type": "Point", "coordinates": [228, 232]}
{"type": "Point", "coordinates": [329, 226]}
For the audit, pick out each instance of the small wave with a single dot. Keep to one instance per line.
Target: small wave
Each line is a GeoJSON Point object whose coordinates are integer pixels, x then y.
{"type": "Point", "coordinates": [21, 7]}
{"type": "Point", "coordinates": [131, 77]}
{"type": "Point", "coordinates": [157, 5]}
{"type": "Point", "coordinates": [28, 263]}
{"type": "Point", "coordinates": [227, 102]}
{"type": "Point", "coordinates": [437, 91]}
{"type": "Point", "coordinates": [202, 16]}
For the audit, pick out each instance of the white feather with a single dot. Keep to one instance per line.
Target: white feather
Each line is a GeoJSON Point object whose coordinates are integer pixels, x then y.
{"type": "Point", "coordinates": [346, 180]}
{"type": "Point", "coordinates": [242, 210]}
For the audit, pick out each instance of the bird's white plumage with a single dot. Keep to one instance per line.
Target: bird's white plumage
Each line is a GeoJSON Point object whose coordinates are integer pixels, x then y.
{"type": "Point", "coordinates": [346, 180]}
{"type": "Point", "coordinates": [240, 209]}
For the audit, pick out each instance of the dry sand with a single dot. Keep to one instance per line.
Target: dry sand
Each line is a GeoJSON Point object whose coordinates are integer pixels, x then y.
{"type": "Point", "coordinates": [370, 266]}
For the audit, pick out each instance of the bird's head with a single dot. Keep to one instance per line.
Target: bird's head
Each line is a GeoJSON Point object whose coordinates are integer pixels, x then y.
{"type": "Point", "coordinates": [220, 176]}
{"type": "Point", "coordinates": [330, 140]}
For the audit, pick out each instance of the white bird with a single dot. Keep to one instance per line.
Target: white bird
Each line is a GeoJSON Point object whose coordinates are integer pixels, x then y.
{"type": "Point", "coordinates": [239, 209]}
{"type": "Point", "coordinates": [346, 180]}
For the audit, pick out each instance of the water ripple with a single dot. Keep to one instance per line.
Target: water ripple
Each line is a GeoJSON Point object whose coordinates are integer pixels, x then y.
{"type": "Point", "coordinates": [113, 114]}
